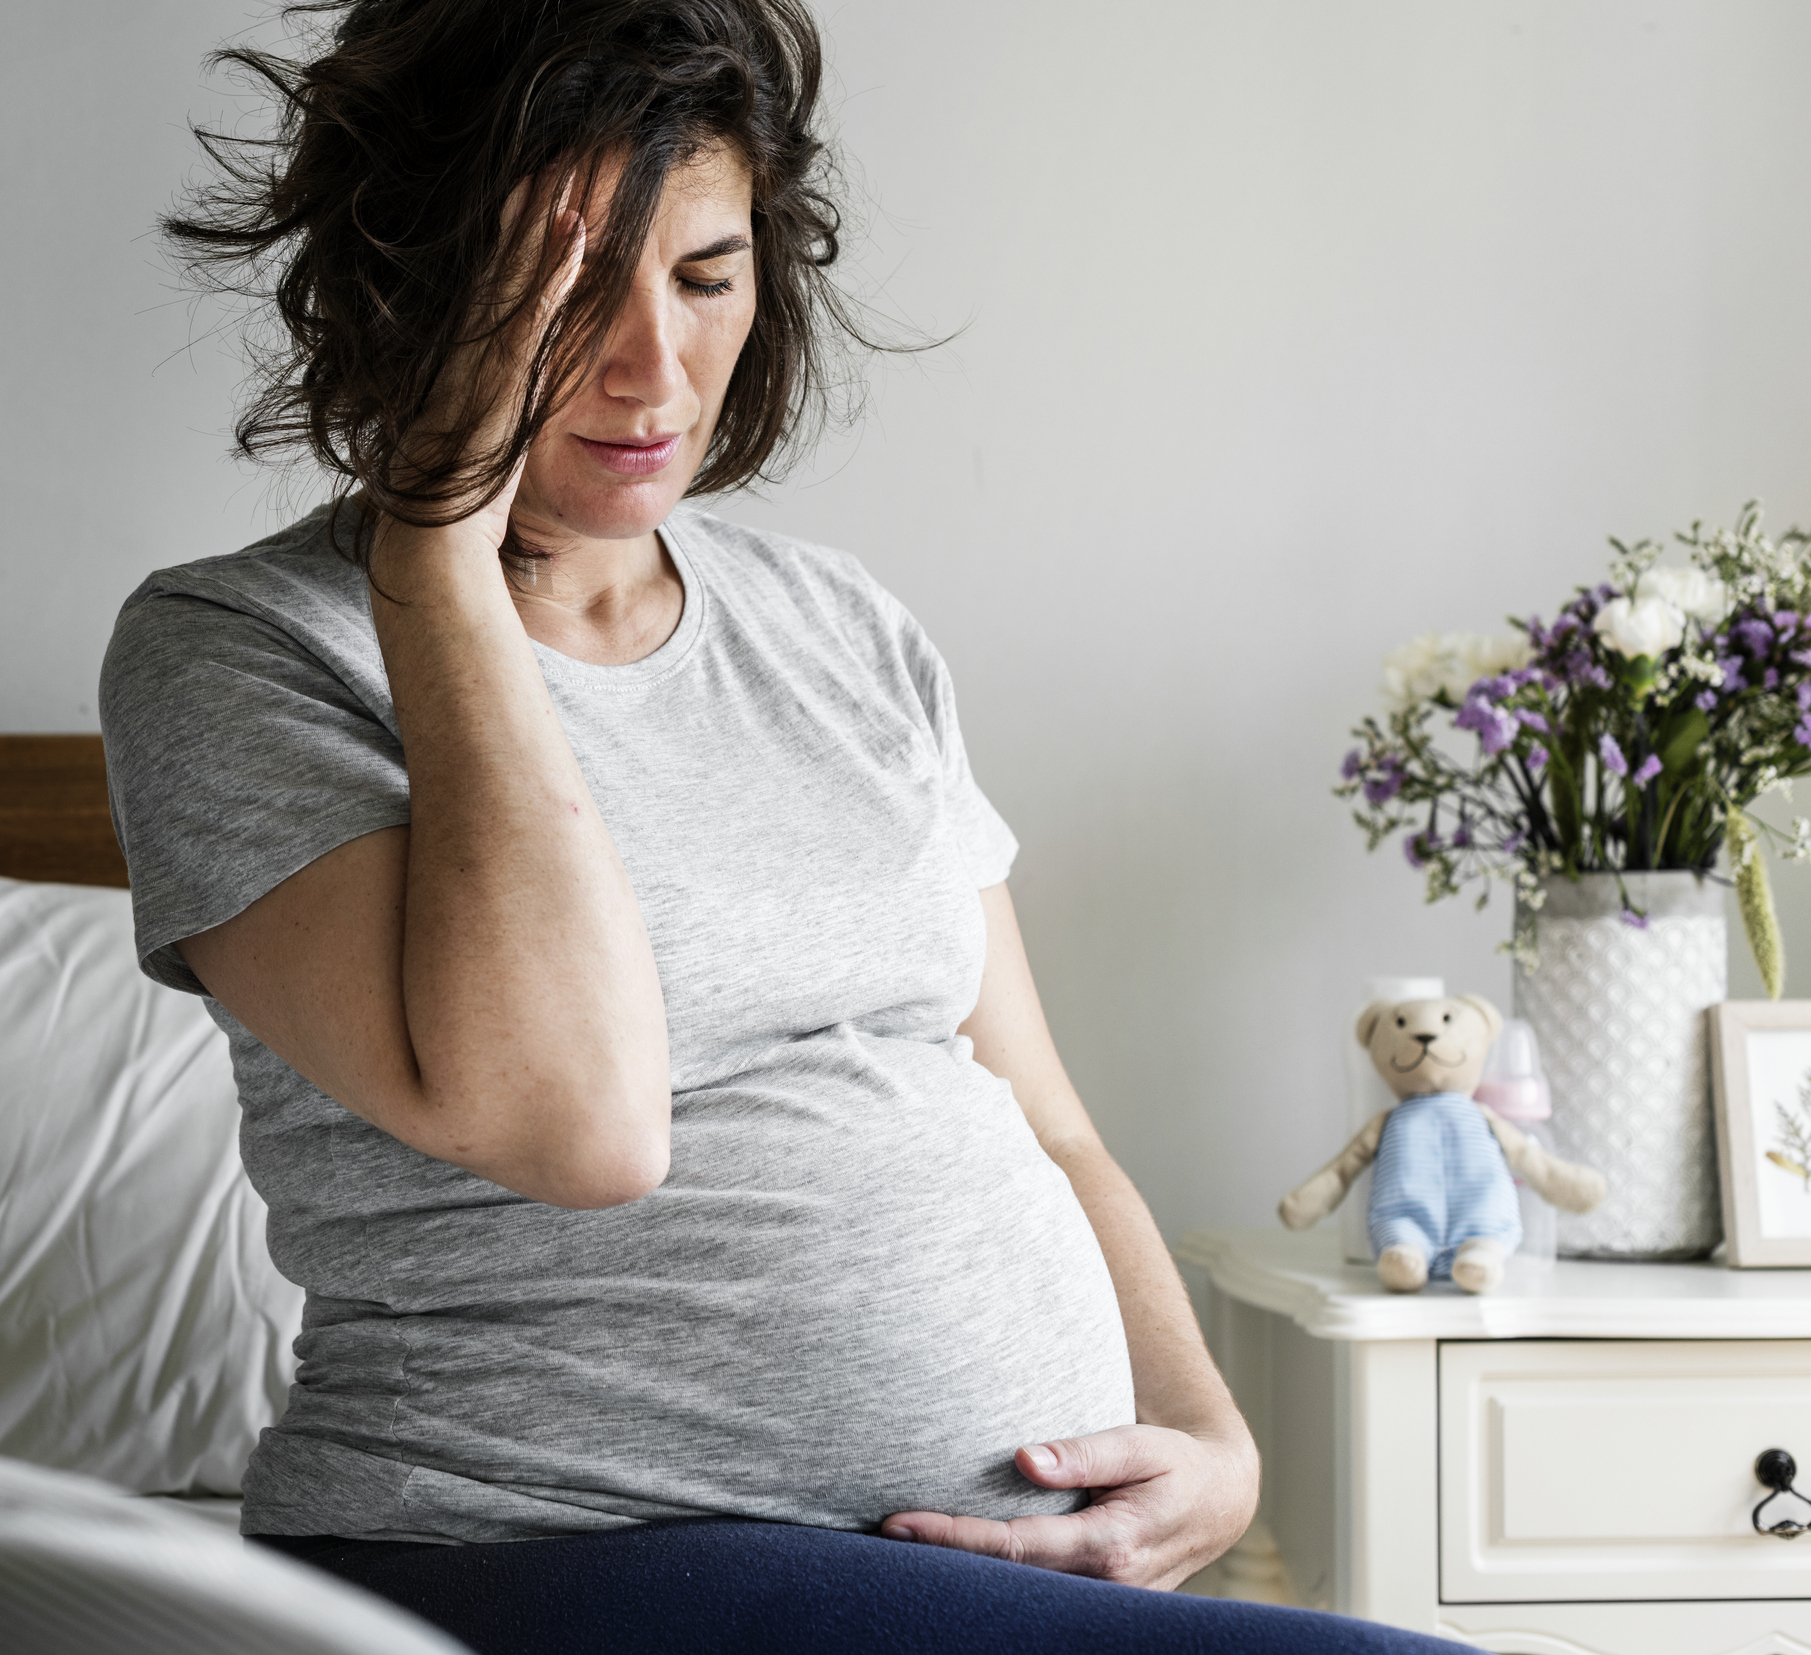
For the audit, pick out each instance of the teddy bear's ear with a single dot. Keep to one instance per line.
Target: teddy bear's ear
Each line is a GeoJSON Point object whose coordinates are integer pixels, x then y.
{"type": "Point", "coordinates": [1368, 1020]}
{"type": "Point", "coordinates": [1493, 1019]}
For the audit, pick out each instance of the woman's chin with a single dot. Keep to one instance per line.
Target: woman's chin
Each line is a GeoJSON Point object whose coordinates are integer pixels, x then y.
{"type": "Point", "coordinates": [626, 511]}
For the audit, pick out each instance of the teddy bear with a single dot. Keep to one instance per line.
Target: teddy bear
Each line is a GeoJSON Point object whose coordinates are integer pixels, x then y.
{"type": "Point", "coordinates": [1443, 1199]}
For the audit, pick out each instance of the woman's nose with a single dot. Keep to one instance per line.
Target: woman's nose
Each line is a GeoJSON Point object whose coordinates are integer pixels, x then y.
{"type": "Point", "coordinates": [641, 357]}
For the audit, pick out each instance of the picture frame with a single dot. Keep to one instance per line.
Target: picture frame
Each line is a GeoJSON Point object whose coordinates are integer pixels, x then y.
{"type": "Point", "coordinates": [1761, 1079]}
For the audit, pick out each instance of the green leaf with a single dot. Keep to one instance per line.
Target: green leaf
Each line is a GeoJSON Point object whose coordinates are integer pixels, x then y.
{"type": "Point", "coordinates": [1681, 740]}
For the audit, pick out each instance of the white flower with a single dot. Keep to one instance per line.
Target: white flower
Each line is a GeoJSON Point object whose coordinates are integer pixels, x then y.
{"type": "Point", "coordinates": [1695, 594]}
{"type": "Point", "coordinates": [1800, 848]}
{"type": "Point", "coordinates": [1648, 626]}
{"type": "Point", "coordinates": [1413, 673]}
{"type": "Point", "coordinates": [1449, 661]}
{"type": "Point", "coordinates": [1487, 657]}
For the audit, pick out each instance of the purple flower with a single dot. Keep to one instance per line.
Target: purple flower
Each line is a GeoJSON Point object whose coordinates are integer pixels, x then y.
{"type": "Point", "coordinates": [1785, 622]}
{"type": "Point", "coordinates": [1383, 774]}
{"type": "Point", "coordinates": [1802, 735]}
{"type": "Point", "coordinates": [1650, 768]}
{"type": "Point", "coordinates": [1496, 726]}
{"type": "Point", "coordinates": [1385, 782]}
{"type": "Point", "coordinates": [1533, 720]}
{"type": "Point", "coordinates": [1419, 847]}
{"type": "Point", "coordinates": [1706, 701]}
{"type": "Point", "coordinates": [1514, 842]}
{"type": "Point", "coordinates": [1537, 757]}
{"type": "Point", "coordinates": [1803, 695]}
{"type": "Point", "coordinates": [1770, 680]}
{"type": "Point", "coordinates": [1577, 667]}
{"type": "Point", "coordinates": [1611, 754]}
{"type": "Point", "coordinates": [1755, 634]}
{"type": "Point", "coordinates": [1462, 836]}
{"type": "Point", "coordinates": [1634, 920]}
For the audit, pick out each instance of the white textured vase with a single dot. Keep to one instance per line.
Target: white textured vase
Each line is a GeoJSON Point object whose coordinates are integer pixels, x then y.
{"type": "Point", "coordinates": [1619, 1012]}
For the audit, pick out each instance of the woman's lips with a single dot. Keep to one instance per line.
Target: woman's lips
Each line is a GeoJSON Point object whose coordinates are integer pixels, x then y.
{"type": "Point", "coordinates": [633, 459]}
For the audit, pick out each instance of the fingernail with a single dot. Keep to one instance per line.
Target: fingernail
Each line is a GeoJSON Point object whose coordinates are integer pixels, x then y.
{"type": "Point", "coordinates": [1041, 1457]}
{"type": "Point", "coordinates": [897, 1531]}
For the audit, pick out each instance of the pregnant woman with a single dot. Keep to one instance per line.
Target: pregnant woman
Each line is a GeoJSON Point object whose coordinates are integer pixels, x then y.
{"type": "Point", "coordinates": [704, 1247]}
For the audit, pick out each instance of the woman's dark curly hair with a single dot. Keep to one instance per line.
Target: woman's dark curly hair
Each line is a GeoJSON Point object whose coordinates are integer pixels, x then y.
{"type": "Point", "coordinates": [373, 218]}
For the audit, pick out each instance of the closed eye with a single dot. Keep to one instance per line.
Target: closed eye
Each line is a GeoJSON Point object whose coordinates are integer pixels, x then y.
{"type": "Point", "coordinates": [723, 248]}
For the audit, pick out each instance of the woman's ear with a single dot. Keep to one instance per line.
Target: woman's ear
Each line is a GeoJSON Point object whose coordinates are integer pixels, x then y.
{"type": "Point", "coordinates": [1368, 1020]}
{"type": "Point", "coordinates": [1493, 1019]}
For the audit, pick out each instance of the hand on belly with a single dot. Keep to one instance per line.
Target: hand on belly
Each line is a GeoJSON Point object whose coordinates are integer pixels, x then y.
{"type": "Point", "coordinates": [1164, 1504]}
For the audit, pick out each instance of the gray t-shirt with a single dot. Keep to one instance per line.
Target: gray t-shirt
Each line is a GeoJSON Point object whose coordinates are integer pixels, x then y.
{"type": "Point", "coordinates": [861, 1286]}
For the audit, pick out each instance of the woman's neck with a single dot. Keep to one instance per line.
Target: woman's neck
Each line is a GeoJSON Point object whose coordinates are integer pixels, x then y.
{"type": "Point", "coordinates": [608, 602]}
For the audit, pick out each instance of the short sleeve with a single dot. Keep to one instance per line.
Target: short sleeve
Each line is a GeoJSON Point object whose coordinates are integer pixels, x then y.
{"type": "Point", "coordinates": [988, 845]}
{"type": "Point", "coordinates": [235, 757]}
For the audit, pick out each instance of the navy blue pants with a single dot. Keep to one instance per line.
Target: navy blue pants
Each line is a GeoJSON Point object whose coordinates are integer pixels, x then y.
{"type": "Point", "coordinates": [724, 1586]}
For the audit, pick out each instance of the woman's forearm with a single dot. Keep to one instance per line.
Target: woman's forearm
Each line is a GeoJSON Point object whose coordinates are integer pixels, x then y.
{"type": "Point", "coordinates": [530, 995]}
{"type": "Point", "coordinates": [1174, 1380]}
{"type": "Point", "coordinates": [480, 984]}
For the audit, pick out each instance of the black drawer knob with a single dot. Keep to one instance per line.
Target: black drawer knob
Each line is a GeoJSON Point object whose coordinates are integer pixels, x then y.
{"type": "Point", "coordinates": [1777, 1470]}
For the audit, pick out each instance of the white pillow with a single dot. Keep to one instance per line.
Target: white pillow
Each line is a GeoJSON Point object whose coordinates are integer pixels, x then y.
{"type": "Point", "coordinates": [85, 1568]}
{"type": "Point", "coordinates": [147, 1334]}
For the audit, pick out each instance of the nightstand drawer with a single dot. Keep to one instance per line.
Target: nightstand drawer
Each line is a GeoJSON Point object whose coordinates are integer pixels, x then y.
{"type": "Point", "coordinates": [1588, 1471]}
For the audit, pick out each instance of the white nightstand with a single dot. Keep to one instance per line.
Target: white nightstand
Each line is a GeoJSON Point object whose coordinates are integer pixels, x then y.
{"type": "Point", "coordinates": [1564, 1467]}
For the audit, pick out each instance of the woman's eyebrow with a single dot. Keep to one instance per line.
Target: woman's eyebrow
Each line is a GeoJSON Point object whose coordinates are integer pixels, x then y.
{"type": "Point", "coordinates": [716, 250]}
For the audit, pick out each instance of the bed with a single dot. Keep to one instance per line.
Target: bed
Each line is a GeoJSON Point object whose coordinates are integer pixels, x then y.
{"type": "Point", "coordinates": [146, 1334]}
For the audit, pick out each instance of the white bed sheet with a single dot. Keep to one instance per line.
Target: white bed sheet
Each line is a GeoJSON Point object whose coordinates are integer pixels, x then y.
{"type": "Point", "coordinates": [85, 1568]}
{"type": "Point", "coordinates": [146, 1333]}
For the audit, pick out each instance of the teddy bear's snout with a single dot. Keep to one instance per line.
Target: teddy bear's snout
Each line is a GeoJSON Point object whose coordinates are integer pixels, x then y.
{"type": "Point", "coordinates": [1426, 1052]}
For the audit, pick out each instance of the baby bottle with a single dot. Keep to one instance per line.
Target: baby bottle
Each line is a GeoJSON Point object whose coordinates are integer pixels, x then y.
{"type": "Point", "coordinates": [1366, 1094]}
{"type": "Point", "coordinates": [1514, 1086]}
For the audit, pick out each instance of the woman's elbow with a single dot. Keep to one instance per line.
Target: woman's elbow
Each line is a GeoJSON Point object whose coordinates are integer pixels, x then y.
{"type": "Point", "coordinates": [580, 1151]}
{"type": "Point", "coordinates": [610, 1175]}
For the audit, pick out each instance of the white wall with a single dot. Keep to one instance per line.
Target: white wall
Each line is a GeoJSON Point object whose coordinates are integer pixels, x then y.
{"type": "Point", "coordinates": [1291, 330]}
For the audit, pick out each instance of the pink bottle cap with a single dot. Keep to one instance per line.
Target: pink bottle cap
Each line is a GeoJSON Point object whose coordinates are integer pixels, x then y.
{"type": "Point", "coordinates": [1518, 1098]}
{"type": "Point", "coordinates": [1513, 1084]}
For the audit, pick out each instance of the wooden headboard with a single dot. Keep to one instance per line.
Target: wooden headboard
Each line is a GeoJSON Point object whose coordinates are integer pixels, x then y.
{"type": "Point", "coordinates": [53, 812]}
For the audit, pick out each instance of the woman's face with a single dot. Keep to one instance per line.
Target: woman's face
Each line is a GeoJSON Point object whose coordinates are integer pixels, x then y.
{"type": "Point", "coordinates": [616, 459]}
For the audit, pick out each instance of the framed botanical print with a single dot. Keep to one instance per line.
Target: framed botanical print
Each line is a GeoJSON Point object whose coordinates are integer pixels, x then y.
{"type": "Point", "coordinates": [1761, 1061]}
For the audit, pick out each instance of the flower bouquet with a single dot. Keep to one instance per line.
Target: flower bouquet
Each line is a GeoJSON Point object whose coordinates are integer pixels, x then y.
{"type": "Point", "coordinates": [1630, 734]}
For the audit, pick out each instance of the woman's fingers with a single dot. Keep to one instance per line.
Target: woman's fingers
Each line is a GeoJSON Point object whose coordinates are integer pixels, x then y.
{"type": "Point", "coordinates": [571, 226]}
{"type": "Point", "coordinates": [1105, 1459]}
{"type": "Point", "coordinates": [485, 383]}
{"type": "Point", "coordinates": [1164, 1504]}
{"type": "Point", "coordinates": [1106, 1540]}
{"type": "Point", "coordinates": [539, 269]}
{"type": "Point", "coordinates": [1083, 1543]}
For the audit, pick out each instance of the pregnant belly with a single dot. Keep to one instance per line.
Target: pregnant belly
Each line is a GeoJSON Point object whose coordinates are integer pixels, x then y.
{"type": "Point", "coordinates": [861, 1288]}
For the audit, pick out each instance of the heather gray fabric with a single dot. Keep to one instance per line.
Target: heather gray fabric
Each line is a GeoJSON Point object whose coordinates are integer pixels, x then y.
{"type": "Point", "coordinates": [861, 1286]}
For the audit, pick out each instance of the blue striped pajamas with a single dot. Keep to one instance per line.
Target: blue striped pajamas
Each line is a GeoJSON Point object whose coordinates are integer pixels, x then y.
{"type": "Point", "coordinates": [1440, 1180]}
